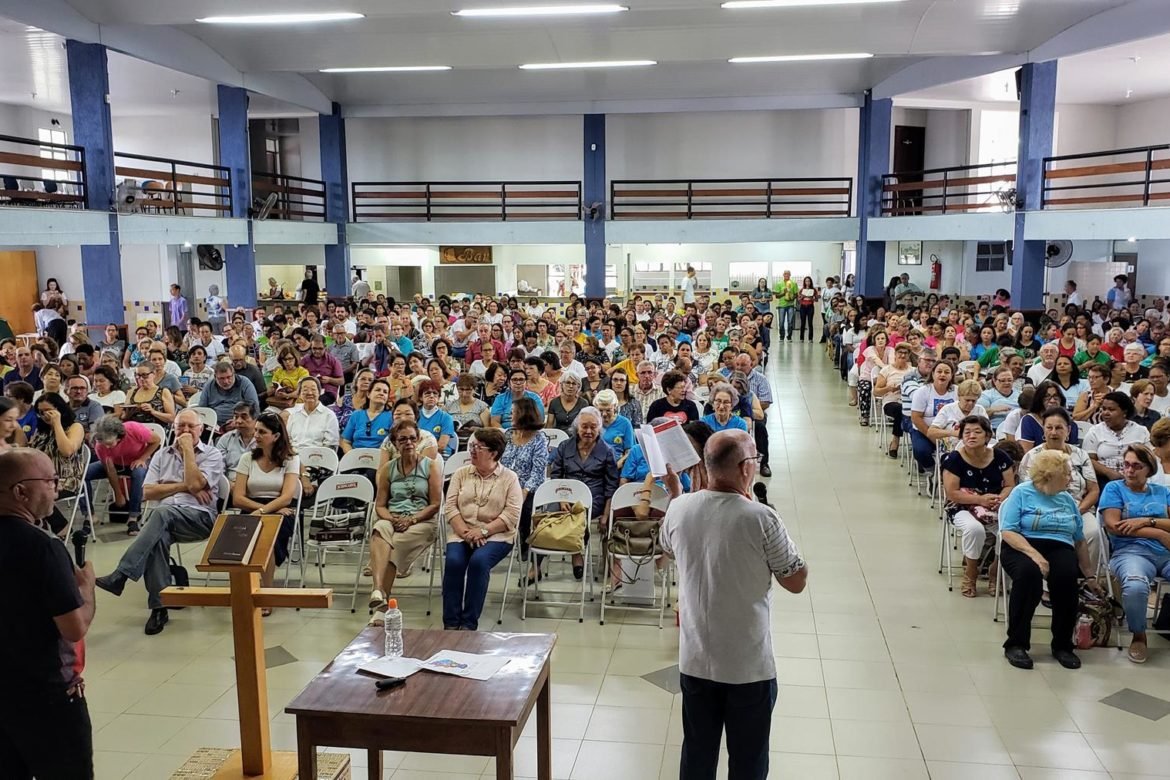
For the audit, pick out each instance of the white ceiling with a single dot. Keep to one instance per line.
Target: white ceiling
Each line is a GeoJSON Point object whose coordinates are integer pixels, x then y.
{"type": "Point", "coordinates": [691, 39]}
{"type": "Point", "coordinates": [1135, 71]}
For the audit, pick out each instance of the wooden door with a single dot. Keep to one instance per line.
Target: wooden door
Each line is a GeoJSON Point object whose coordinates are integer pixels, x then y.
{"type": "Point", "coordinates": [20, 290]}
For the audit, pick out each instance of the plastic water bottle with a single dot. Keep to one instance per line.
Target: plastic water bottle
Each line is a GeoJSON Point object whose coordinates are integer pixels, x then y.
{"type": "Point", "coordinates": [393, 625]}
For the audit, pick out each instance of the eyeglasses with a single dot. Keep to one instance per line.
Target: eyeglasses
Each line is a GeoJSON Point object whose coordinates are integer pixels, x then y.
{"type": "Point", "coordinates": [406, 440]}
{"type": "Point", "coordinates": [55, 480]}
{"type": "Point", "coordinates": [755, 457]}
{"type": "Point", "coordinates": [1127, 466]}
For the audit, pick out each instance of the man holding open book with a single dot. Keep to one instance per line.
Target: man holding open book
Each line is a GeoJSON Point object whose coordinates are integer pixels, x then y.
{"type": "Point", "coordinates": [184, 481]}
{"type": "Point", "coordinates": [728, 549]}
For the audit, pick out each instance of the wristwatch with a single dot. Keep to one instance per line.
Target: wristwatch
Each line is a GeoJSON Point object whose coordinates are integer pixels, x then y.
{"type": "Point", "coordinates": [1153, 523]}
{"type": "Point", "coordinates": [483, 531]}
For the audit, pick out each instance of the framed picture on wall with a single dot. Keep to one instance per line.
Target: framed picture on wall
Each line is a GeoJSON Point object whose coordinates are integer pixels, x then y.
{"type": "Point", "coordinates": [909, 253]}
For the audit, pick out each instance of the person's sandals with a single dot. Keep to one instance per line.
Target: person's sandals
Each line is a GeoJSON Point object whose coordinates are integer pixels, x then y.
{"type": "Point", "coordinates": [1138, 652]}
{"type": "Point", "coordinates": [378, 619]}
{"type": "Point", "coordinates": [1019, 658]}
{"type": "Point", "coordinates": [132, 528]}
{"type": "Point", "coordinates": [377, 600]}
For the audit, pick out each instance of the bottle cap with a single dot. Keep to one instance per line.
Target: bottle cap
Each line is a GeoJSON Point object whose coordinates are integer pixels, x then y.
{"type": "Point", "coordinates": [392, 604]}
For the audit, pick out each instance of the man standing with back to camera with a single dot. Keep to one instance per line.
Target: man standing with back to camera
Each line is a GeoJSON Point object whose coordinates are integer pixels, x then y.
{"type": "Point", "coordinates": [728, 549]}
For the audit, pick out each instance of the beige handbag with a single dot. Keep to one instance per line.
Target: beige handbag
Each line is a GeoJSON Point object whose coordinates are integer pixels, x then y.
{"type": "Point", "coordinates": [563, 531]}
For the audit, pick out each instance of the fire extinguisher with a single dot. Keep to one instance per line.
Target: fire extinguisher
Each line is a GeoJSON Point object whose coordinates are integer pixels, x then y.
{"type": "Point", "coordinates": [935, 272]}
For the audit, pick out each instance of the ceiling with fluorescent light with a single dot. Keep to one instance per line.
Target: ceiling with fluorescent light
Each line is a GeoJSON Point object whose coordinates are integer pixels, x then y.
{"type": "Point", "coordinates": [690, 39]}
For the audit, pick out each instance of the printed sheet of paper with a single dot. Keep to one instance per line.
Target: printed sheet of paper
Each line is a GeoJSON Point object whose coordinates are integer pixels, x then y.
{"type": "Point", "coordinates": [392, 667]}
{"type": "Point", "coordinates": [667, 443]}
{"type": "Point", "coordinates": [469, 665]}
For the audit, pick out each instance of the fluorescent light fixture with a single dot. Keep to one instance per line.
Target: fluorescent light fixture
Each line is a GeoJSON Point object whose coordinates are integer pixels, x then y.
{"type": "Point", "coordinates": [598, 64]}
{"type": "Point", "coordinates": [388, 69]}
{"type": "Point", "coordinates": [543, 10]}
{"type": "Point", "coordinates": [802, 58]}
{"type": "Point", "coordinates": [733, 4]}
{"type": "Point", "coordinates": [306, 18]}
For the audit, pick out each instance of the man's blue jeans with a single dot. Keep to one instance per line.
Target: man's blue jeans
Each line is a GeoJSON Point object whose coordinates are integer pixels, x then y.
{"type": "Point", "coordinates": [786, 317]}
{"type": "Point", "coordinates": [1135, 567]}
{"type": "Point", "coordinates": [97, 471]}
{"type": "Point", "coordinates": [465, 581]}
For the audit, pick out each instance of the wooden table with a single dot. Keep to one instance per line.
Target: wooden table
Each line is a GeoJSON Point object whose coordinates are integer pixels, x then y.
{"type": "Point", "coordinates": [431, 713]}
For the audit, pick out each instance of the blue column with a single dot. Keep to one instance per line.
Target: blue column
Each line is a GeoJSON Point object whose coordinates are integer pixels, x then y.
{"type": "Point", "coordinates": [239, 259]}
{"type": "Point", "coordinates": [334, 172]}
{"type": "Point", "coordinates": [101, 265]}
{"type": "Point", "coordinates": [1037, 113]}
{"type": "Point", "coordinates": [593, 191]}
{"type": "Point", "coordinates": [873, 162]}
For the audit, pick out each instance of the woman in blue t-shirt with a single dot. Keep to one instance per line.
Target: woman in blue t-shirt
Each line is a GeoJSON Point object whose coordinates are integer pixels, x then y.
{"type": "Point", "coordinates": [367, 428]}
{"type": "Point", "coordinates": [1134, 511]}
{"type": "Point", "coordinates": [724, 399]}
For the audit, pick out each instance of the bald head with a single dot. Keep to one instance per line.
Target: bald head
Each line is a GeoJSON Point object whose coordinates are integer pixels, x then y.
{"type": "Point", "coordinates": [725, 453]}
{"type": "Point", "coordinates": [28, 484]}
{"type": "Point", "coordinates": [20, 463]}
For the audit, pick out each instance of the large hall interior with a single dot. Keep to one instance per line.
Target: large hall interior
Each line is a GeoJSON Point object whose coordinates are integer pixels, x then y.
{"type": "Point", "coordinates": [264, 263]}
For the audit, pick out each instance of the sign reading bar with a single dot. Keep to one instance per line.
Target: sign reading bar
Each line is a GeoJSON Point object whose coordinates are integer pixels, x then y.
{"type": "Point", "coordinates": [465, 255]}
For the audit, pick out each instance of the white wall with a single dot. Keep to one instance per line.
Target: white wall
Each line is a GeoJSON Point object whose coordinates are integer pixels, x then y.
{"type": "Point", "coordinates": [1153, 274]}
{"type": "Point", "coordinates": [736, 144]}
{"type": "Point", "coordinates": [24, 122]}
{"type": "Point", "coordinates": [824, 256]}
{"type": "Point", "coordinates": [484, 148]}
{"type": "Point", "coordinates": [1143, 124]}
{"type": "Point", "coordinates": [178, 136]}
{"type": "Point", "coordinates": [1081, 129]}
{"type": "Point", "coordinates": [950, 253]}
{"type": "Point", "coordinates": [948, 133]}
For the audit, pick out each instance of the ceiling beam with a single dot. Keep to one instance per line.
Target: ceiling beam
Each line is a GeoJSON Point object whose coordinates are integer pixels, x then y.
{"type": "Point", "coordinates": [935, 71]}
{"type": "Point", "coordinates": [1130, 22]}
{"type": "Point", "coordinates": [167, 46]}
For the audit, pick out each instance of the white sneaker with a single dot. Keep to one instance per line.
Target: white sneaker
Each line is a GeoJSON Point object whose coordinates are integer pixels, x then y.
{"type": "Point", "coordinates": [378, 619]}
{"type": "Point", "coordinates": [377, 600]}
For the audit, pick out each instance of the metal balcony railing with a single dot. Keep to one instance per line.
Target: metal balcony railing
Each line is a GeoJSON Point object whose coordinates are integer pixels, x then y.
{"type": "Point", "coordinates": [39, 173]}
{"type": "Point", "coordinates": [730, 198]}
{"type": "Point", "coordinates": [958, 189]}
{"type": "Point", "coordinates": [1113, 178]}
{"type": "Point", "coordinates": [414, 201]}
{"type": "Point", "coordinates": [167, 186]}
{"type": "Point", "coordinates": [297, 198]}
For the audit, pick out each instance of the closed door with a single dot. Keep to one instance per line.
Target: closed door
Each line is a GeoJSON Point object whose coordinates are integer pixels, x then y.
{"type": "Point", "coordinates": [20, 289]}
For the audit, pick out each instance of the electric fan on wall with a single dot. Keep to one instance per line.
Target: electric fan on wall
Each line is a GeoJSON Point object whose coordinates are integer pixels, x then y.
{"type": "Point", "coordinates": [1057, 253]}
{"type": "Point", "coordinates": [210, 258]}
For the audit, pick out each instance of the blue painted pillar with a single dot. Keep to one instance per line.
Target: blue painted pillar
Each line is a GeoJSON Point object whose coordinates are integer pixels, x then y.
{"type": "Point", "coordinates": [101, 265]}
{"type": "Point", "coordinates": [239, 259]}
{"type": "Point", "coordinates": [593, 191]}
{"type": "Point", "coordinates": [1037, 114]}
{"type": "Point", "coordinates": [335, 173]}
{"type": "Point", "coordinates": [873, 162]}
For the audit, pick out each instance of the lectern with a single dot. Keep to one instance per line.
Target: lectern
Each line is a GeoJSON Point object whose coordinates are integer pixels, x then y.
{"type": "Point", "coordinates": [246, 598]}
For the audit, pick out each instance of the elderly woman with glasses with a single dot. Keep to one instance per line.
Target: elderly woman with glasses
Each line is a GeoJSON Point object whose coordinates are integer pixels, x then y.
{"type": "Point", "coordinates": [617, 431]}
{"type": "Point", "coordinates": [585, 456]}
{"type": "Point", "coordinates": [1043, 541]}
{"type": "Point", "coordinates": [482, 511]}
{"type": "Point", "coordinates": [123, 450]}
{"type": "Point", "coordinates": [410, 489]}
{"type": "Point", "coordinates": [976, 479]}
{"type": "Point", "coordinates": [1134, 511]}
{"type": "Point", "coordinates": [724, 401]}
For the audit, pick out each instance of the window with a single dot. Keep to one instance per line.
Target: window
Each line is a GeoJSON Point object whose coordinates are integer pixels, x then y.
{"type": "Point", "coordinates": [992, 256]}
{"type": "Point", "coordinates": [702, 273]}
{"type": "Point", "coordinates": [651, 275]}
{"type": "Point", "coordinates": [611, 279]}
{"type": "Point", "coordinates": [48, 135]}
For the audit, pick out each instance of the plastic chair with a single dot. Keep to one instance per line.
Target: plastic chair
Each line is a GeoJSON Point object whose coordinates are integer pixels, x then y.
{"type": "Point", "coordinates": [164, 434]}
{"type": "Point", "coordinates": [319, 458]}
{"type": "Point", "coordinates": [360, 458]}
{"type": "Point", "coordinates": [209, 419]}
{"type": "Point", "coordinates": [555, 436]}
{"type": "Point", "coordinates": [353, 488]}
{"type": "Point", "coordinates": [558, 491]}
{"type": "Point", "coordinates": [627, 495]}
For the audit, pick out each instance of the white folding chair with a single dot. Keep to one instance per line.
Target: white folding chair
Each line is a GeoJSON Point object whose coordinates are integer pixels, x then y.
{"type": "Point", "coordinates": [628, 495]}
{"type": "Point", "coordinates": [209, 419]}
{"type": "Point", "coordinates": [555, 436]}
{"type": "Point", "coordinates": [82, 494]}
{"type": "Point", "coordinates": [360, 458]}
{"type": "Point", "coordinates": [319, 458]}
{"type": "Point", "coordinates": [355, 488]}
{"type": "Point", "coordinates": [557, 491]}
{"type": "Point", "coordinates": [164, 434]}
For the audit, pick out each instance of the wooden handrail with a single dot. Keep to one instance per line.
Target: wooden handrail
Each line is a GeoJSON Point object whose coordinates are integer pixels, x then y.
{"type": "Point", "coordinates": [1095, 199]}
{"type": "Point", "coordinates": [912, 209]}
{"type": "Point", "coordinates": [759, 192]}
{"type": "Point", "coordinates": [512, 215]}
{"type": "Point", "coordinates": [269, 185]}
{"type": "Point", "coordinates": [186, 178]}
{"type": "Point", "coordinates": [758, 213]}
{"type": "Point", "coordinates": [1105, 170]}
{"type": "Point", "coordinates": [50, 197]}
{"type": "Point", "coordinates": [938, 184]}
{"type": "Point", "coordinates": [36, 161]}
{"type": "Point", "coordinates": [467, 195]}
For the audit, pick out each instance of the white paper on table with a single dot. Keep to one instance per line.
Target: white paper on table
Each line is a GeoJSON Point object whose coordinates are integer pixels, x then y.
{"type": "Point", "coordinates": [667, 444]}
{"type": "Point", "coordinates": [392, 667]}
{"type": "Point", "coordinates": [469, 665]}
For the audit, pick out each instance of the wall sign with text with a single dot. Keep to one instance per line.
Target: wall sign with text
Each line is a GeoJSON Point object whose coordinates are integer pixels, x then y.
{"type": "Point", "coordinates": [465, 255]}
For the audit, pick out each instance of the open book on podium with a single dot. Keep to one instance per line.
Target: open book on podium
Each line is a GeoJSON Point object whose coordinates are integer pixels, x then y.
{"type": "Point", "coordinates": [666, 444]}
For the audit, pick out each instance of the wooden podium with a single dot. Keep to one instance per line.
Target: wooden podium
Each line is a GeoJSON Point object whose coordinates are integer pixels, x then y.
{"type": "Point", "coordinates": [246, 598]}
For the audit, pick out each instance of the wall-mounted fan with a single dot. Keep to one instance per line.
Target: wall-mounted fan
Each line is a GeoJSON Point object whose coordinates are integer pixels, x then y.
{"type": "Point", "coordinates": [126, 197]}
{"type": "Point", "coordinates": [261, 208]}
{"type": "Point", "coordinates": [210, 258]}
{"type": "Point", "coordinates": [1057, 253]}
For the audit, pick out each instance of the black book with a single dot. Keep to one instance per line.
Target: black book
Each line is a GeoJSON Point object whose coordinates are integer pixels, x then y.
{"type": "Point", "coordinates": [236, 540]}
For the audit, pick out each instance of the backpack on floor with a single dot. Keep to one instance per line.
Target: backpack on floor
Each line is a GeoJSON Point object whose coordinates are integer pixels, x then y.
{"type": "Point", "coordinates": [1096, 614]}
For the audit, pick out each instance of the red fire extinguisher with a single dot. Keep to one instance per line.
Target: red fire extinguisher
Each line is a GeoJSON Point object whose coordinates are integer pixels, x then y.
{"type": "Point", "coordinates": [935, 272]}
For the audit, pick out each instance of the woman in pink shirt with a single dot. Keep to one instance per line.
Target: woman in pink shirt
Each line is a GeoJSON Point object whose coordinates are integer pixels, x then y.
{"type": "Point", "coordinates": [123, 449]}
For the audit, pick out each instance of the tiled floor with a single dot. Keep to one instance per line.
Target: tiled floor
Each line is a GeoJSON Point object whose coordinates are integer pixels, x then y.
{"type": "Point", "coordinates": [882, 672]}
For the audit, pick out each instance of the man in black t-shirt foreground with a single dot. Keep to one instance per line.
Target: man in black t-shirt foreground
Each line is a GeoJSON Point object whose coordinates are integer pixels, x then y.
{"type": "Point", "coordinates": [48, 606]}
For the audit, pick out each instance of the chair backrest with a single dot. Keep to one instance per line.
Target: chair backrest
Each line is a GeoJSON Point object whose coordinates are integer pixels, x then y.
{"type": "Point", "coordinates": [351, 486]}
{"type": "Point", "coordinates": [555, 436]}
{"type": "Point", "coordinates": [163, 433]}
{"type": "Point", "coordinates": [225, 492]}
{"type": "Point", "coordinates": [629, 494]}
{"type": "Point", "coordinates": [359, 458]}
{"type": "Point", "coordinates": [207, 416]}
{"type": "Point", "coordinates": [1083, 427]}
{"type": "Point", "coordinates": [455, 462]}
{"type": "Point", "coordinates": [553, 491]}
{"type": "Point", "coordinates": [319, 458]}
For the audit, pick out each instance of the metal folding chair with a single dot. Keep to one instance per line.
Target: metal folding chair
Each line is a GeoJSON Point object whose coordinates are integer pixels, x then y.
{"type": "Point", "coordinates": [354, 488]}
{"type": "Point", "coordinates": [627, 495]}
{"type": "Point", "coordinates": [559, 491]}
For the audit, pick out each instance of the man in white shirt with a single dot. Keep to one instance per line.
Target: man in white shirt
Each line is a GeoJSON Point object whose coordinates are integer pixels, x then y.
{"type": "Point", "coordinates": [689, 283]}
{"type": "Point", "coordinates": [1039, 372]}
{"type": "Point", "coordinates": [728, 549]}
{"type": "Point", "coordinates": [608, 342]}
{"type": "Point", "coordinates": [1074, 297]}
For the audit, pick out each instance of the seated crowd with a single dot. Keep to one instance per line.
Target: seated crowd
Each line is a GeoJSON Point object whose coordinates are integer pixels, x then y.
{"type": "Point", "coordinates": [1048, 433]}
{"type": "Point", "coordinates": [180, 426]}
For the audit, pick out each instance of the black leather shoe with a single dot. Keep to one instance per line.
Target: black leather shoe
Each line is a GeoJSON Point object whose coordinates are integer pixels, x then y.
{"type": "Point", "coordinates": [765, 470]}
{"type": "Point", "coordinates": [1067, 658]}
{"type": "Point", "coordinates": [156, 623]}
{"type": "Point", "coordinates": [578, 573]}
{"type": "Point", "coordinates": [111, 583]}
{"type": "Point", "coordinates": [1018, 657]}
